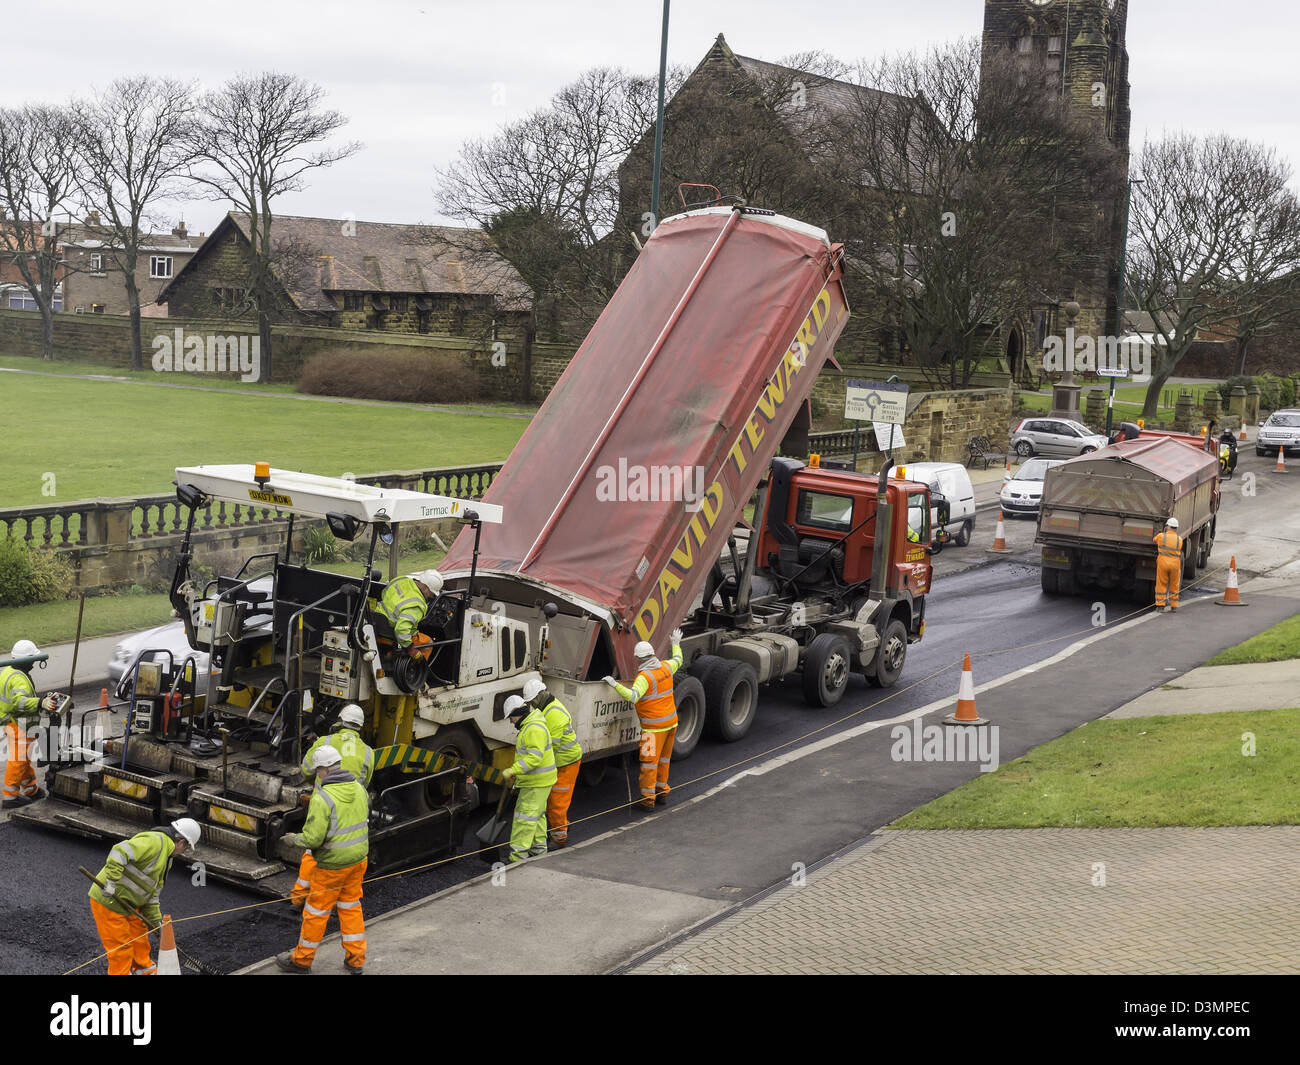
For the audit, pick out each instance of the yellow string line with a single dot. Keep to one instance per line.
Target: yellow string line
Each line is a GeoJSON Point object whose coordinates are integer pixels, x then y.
{"type": "Point", "coordinates": [695, 780]}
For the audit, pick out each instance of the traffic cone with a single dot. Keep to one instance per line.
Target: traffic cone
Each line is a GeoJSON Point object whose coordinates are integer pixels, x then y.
{"type": "Point", "coordinates": [966, 713]}
{"type": "Point", "coordinates": [169, 962]}
{"type": "Point", "coordinates": [1242, 438]}
{"type": "Point", "coordinates": [1281, 460]}
{"type": "Point", "coordinates": [1231, 596]}
{"type": "Point", "coordinates": [1000, 537]}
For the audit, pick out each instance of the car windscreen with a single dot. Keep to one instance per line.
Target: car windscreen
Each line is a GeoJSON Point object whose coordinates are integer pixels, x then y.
{"type": "Point", "coordinates": [1289, 421]}
{"type": "Point", "coordinates": [1033, 470]}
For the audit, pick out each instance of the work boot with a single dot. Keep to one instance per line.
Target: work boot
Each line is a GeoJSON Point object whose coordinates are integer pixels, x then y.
{"type": "Point", "coordinates": [354, 970]}
{"type": "Point", "coordinates": [661, 799]}
{"type": "Point", "coordinates": [14, 804]}
{"type": "Point", "coordinates": [557, 844]}
{"type": "Point", "coordinates": [285, 961]}
{"type": "Point", "coordinates": [1174, 609]}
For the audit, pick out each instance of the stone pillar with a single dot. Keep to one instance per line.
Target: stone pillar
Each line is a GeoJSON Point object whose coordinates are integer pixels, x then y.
{"type": "Point", "coordinates": [1252, 402]}
{"type": "Point", "coordinates": [1212, 404]}
{"type": "Point", "coordinates": [1237, 403]}
{"type": "Point", "coordinates": [1096, 407]}
{"type": "Point", "coordinates": [1065, 393]}
{"type": "Point", "coordinates": [1184, 412]}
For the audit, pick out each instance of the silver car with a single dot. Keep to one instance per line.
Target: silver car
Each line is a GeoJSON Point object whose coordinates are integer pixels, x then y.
{"type": "Point", "coordinates": [1280, 432]}
{"type": "Point", "coordinates": [1054, 437]}
{"type": "Point", "coordinates": [1022, 493]}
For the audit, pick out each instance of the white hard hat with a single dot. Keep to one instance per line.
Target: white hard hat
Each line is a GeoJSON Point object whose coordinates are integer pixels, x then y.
{"type": "Point", "coordinates": [430, 578]}
{"type": "Point", "coordinates": [514, 705]}
{"type": "Point", "coordinates": [326, 757]}
{"type": "Point", "coordinates": [643, 650]}
{"type": "Point", "coordinates": [25, 649]}
{"type": "Point", "coordinates": [1172, 523]}
{"type": "Point", "coordinates": [352, 715]}
{"type": "Point", "coordinates": [533, 688]}
{"type": "Point", "coordinates": [189, 829]}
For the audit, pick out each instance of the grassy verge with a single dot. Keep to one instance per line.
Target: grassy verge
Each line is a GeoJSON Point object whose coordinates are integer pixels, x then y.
{"type": "Point", "coordinates": [47, 623]}
{"type": "Point", "coordinates": [101, 438]}
{"type": "Point", "coordinates": [1140, 772]}
{"type": "Point", "coordinates": [1277, 644]}
{"type": "Point", "coordinates": [406, 564]}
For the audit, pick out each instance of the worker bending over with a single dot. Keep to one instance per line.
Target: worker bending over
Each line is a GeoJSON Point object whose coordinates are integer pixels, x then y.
{"type": "Point", "coordinates": [405, 602]}
{"type": "Point", "coordinates": [1169, 566]}
{"type": "Point", "coordinates": [338, 835]}
{"type": "Point", "coordinates": [533, 774]}
{"type": "Point", "coordinates": [652, 695]}
{"type": "Point", "coordinates": [568, 758]}
{"type": "Point", "coordinates": [132, 882]}
{"type": "Point", "coordinates": [357, 759]}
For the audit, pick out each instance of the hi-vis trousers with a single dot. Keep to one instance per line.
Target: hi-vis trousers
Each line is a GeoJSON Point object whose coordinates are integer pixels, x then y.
{"type": "Point", "coordinates": [656, 753]}
{"type": "Point", "coordinates": [330, 888]}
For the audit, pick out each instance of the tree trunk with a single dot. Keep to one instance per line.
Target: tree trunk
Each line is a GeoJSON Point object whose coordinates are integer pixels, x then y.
{"type": "Point", "coordinates": [47, 329]}
{"type": "Point", "coordinates": [530, 335]}
{"type": "Point", "coordinates": [133, 305]}
{"type": "Point", "coordinates": [1241, 353]}
{"type": "Point", "coordinates": [264, 340]}
{"type": "Point", "coordinates": [1151, 404]}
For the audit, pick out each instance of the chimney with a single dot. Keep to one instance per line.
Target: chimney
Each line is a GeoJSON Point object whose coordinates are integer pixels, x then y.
{"type": "Point", "coordinates": [180, 232]}
{"type": "Point", "coordinates": [92, 218]}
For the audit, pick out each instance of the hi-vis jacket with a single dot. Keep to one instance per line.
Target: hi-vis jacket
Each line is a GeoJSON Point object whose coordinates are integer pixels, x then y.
{"type": "Point", "coordinates": [1168, 544]}
{"type": "Point", "coordinates": [338, 822]}
{"type": "Point", "coordinates": [534, 758]}
{"type": "Point", "coordinates": [652, 694]}
{"type": "Point", "coordinates": [136, 870]}
{"type": "Point", "coordinates": [564, 740]}
{"type": "Point", "coordinates": [405, 606]}
{"type": "Point", "coordinates": [358, 758]}
{"type": "Point", "coordinates": [17, 696]}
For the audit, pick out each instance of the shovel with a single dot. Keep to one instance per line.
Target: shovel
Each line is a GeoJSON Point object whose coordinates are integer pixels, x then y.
{"type": "Point", "coordinates": [497, 829]}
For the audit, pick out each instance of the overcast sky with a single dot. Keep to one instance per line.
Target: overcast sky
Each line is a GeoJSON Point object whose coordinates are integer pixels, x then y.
{"type": "Point", "coordinates": [417, 78]}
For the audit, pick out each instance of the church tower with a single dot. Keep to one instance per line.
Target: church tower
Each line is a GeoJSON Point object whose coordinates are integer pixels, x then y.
{"type": "Point", "coordinates": [1081, 44]}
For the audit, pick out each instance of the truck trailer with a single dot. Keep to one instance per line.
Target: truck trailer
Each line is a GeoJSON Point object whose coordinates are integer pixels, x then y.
{"type": "Point", "coordinates": [1101, 512]}
{"type": "Point", "coordinates": [647, 493]}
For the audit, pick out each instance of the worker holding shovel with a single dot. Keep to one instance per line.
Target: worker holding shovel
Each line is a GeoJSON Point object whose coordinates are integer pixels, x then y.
{"type": "Point", "coordinates": [533, 773]}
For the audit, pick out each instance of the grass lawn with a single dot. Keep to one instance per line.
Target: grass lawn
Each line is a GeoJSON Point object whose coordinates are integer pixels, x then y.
{"type": "Point", "coordinates": [46, 623]}
{"type": "Point", "coordinates": [1280, 642]}
{"type": "Point", "coordinates": [1142, 772]}
{"type": "Point", "coordinates": [104, 439]}
{"type": "Point", "coordinates": [405, 564]}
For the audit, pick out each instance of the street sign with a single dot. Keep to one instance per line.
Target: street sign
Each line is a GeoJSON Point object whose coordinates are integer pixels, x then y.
{"type": "Point", "coordinates": [876, 401]}
{"type": "Point", "coordinates": [883, 439]}
{"type": "Point", "coordinates": [1112, 371]}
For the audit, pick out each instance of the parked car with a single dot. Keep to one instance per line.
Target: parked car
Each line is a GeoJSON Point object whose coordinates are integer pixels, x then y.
{"type": "Point", "coordinates": [169, 637]}
{"type": "Point", "coordinates": [952, 481]}
{"type": "Point", "coordinates": [1054, 437]}
{"type": "Point", "coordinates": [1023, 492]}
{"type": "Point", "coordinates": [1280, 432]}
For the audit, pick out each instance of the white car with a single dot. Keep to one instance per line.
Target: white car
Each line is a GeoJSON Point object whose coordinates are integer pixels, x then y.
{"type": "Point", "coordinates": [952, 481]}
{"type": "Point", "coordinates": [1023, 492]}
{"type": "Point", "coordinates": [1280, 432]}
{"type": "Point", "coordinates": [169, 637]}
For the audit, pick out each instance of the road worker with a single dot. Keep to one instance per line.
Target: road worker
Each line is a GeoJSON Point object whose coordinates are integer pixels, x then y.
{"type": "Point", "coordinates": [568, 758]}
{"type": "Point", "coordinates": [652, 695]}
{"type": "Point", "coordinates": [533, 774]}
{"type": "Point", "coordinates": [338, 835]}
{"type": "Point", "coordinates": [132, 882]}
{"type": "Point", "coordinates": [358, 759]}
{"type": "Point", "coordinates": [1169, 566]}
{"type": "Point", "coordinates": [19, 711]}
{"type": "Point", "coordinates": [405, 602]}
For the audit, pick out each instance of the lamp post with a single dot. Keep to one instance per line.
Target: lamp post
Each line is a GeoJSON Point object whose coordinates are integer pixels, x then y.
{"type": "Point", "coordinates": [659, 121]}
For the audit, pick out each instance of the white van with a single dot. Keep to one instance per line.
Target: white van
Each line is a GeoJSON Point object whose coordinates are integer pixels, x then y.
{"type": "Point", "coordinates": [951, 481]}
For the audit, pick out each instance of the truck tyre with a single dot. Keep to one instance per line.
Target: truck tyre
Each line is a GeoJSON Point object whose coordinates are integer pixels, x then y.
{"type": "Point", "coordinates": [1144, 592]}
{"type": "Point", "coordinates": [1051, 581]}
{"type": "Point", "coordinates": [704, 665]}
{"type": "Point", "coordinates": [731, 695]}
{"type": "Point", "coordinates": [890, 655]}
{"type": "Point", "coordinates": [1203, 550]}
{"type": "Point", "coordinates": [826, 669]}
{"type": "Point", "coordinates": [1189, 562]}
{"type": "Point", "coordinates": [962, 539]}
{"type": "Point", "coordinates": [592, 773]}
{"type": "Point", "coordinates": [459, 741]}
{"type": "Point", "coordinates": [688, 693]}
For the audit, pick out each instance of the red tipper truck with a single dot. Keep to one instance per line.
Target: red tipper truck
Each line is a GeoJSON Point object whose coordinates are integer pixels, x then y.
{"type": "Point", "coordinates": [623, 497]}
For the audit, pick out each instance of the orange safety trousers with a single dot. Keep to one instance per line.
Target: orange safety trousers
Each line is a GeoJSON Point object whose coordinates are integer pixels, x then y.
{"type": "Point", "coordinates": [1169, 575]}
{"type": "Point", "coordinates": [557, 803]}
{"type": "Point", "coordinates": [127, 941]}
{"type": "Point", "coordinates": [20, 777]}
{"type": "Point", "coordinates": [303, 885]}
{"type": "Point", "coordinates": [330, 888]}
{"type": "Point", "coordinates": [656, 753]}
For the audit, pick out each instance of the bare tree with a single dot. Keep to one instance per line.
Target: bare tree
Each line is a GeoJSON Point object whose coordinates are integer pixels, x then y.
{"type": "Point", "coordinates": [253, 140]}
{"type": "Point", "coordinates": [958, 161]}
{"type": "Point", "coordinates": [1215, 234]}
{"type": "Point", "coordinates": [132, 140]}
{"type": "Point", "coordinates": [38, 178]}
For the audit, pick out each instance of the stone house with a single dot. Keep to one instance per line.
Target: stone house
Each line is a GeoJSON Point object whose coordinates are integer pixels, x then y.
{"type": "Point", "coordinates": [94, 283]}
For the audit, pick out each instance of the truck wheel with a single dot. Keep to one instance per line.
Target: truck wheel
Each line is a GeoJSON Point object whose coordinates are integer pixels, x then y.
{"type": "Point", "coordinates": [592, 773]}
{"type": "Point", "coordinates": [1203, 551]}
{"type": "Point", "coordinates": [704, 665]}
{"type": "Point", "coordinates": [890, 655]}
{"type": "Point", "coordinates": [459, 741]}
{"type": "Point", "coordinates": [731, 694]}
{"type": "Point", "coordinates": [689, 695]}
{"type": "Point", "coordinates": [962, 539]}
{"type": "Point", "coordinates": [1189, 564]}
{"type": "Point", "coordinates": [826, 669]}
{"type": "Point", "coordinates": [1051, 581]}
{"type": "Point", "coordinates": [1144, 592]}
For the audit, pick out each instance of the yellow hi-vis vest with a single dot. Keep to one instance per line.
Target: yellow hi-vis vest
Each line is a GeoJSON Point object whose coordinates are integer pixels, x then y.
{"type": "Point", "coordinates": [17, 696]}
{"type": "Point", "coordinates": [338, 822]}
{"type": "Point", "coordinates": [534, 757]}
{"type": "Point", "coordinates": [358, 758]}
{"type": "Point", "coordinates": [137, 869]}
{"type": "Point", "coordinates": [564, 740]}
{"type": "Point", "coordinates": [404, 606]}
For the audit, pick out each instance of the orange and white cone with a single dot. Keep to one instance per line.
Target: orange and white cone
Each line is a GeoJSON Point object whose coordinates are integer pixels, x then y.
{"type": "Point", "coordinates": [1242, 438]}
{"type": "Point", "coordinates": [966, 713]}
{"type": "Point", "coordinates": [1000, 537]}
{"type": "Point", "coordinates": [1281, 460]}
{"type": "Point", "coordinates": [1231, 596]}
{"type": "Point", "coordinates": [169, 961]}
